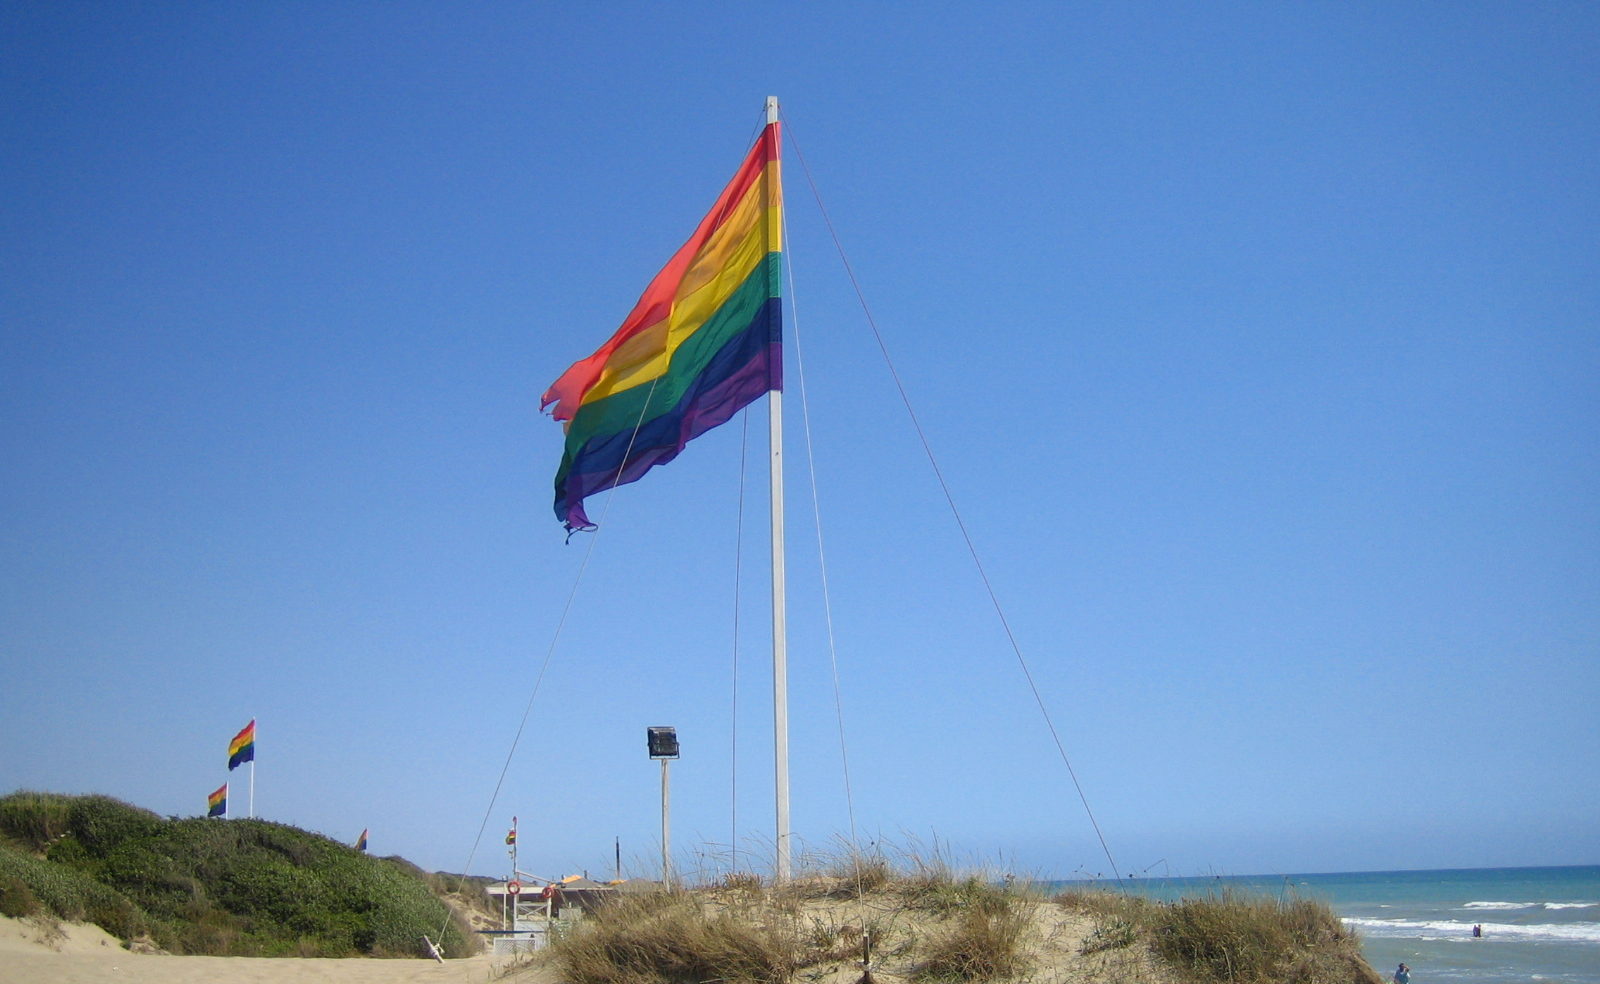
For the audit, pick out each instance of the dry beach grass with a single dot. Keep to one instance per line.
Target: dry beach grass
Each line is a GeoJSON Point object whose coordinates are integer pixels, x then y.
{"type": "Point", "coordinates": [930, 925]}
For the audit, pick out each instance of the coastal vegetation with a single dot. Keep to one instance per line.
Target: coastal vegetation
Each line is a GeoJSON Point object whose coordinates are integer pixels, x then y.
{"type": "Point", "coordinates": [219, 887]}
{"type": "Point", "coordinates": [250, 887]}
{"type": "Point", "coordinates": [866, 920]}
{"type": "Point", "coordinates": [1228, 937]}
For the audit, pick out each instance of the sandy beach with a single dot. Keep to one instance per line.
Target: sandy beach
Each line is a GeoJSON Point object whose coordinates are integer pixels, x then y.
{"type": "Point", "coordinates": [35, 953]}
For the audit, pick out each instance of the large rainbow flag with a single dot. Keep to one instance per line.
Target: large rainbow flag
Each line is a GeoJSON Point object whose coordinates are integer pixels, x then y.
{"type": "Point", "coordinates": [704, 340]}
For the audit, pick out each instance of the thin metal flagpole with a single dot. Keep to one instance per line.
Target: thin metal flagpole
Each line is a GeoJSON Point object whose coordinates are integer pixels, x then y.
{"type": "Point", "coordinates": [252, 772]}
{"type": "Point", "coordinates": [780, 655]}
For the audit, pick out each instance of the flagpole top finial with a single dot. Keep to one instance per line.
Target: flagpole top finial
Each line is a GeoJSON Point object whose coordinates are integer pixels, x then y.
{"type": "Point", "coordinates": [772, 109]}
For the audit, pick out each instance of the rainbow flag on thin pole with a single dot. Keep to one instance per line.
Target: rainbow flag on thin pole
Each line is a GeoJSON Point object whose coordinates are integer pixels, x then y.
{"type": "Point", "coordinates": [217, 802]}
{"type": "Point", "coordinates": [241, 750]}
{"type": "Point", "coordinates": [361, 842]}
{"type": "Point", "coordinates": [704, 340]}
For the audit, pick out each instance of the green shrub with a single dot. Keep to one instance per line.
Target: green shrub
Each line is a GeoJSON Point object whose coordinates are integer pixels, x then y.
{"type": "Point", "coordinates": [16, 898]}
{"type": "Point", "coordinates": [101, 823]}
{"type": "Point", "coordinates": [205, 929]}
{"type": "Point", "coordinates": [69, 894]}
{"type": "Point", "coordinates": [117, 916]}
{"type": "Point", "coordinates": [237, 887]}
{"type": "Point", "coordinates": [69, 852]}
{"type": "Point", "coordinates": [33, 820]}
{"type": "Point", "coordinates": [1111, 934]}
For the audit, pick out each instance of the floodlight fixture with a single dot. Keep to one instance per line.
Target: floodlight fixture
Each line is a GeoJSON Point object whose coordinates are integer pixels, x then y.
{"type": "Point", "coordinates": [663, 742]}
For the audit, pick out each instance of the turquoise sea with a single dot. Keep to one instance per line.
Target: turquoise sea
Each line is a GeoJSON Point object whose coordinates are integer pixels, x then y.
{"type": "Point", "coordinates": [1539, 924]}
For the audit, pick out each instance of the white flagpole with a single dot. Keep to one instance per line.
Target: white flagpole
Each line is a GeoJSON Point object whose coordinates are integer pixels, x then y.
{"type": "Point", "coordinates": [666, 827]}
{"type": "Point", "coordinates": [252, 772]}
{"type": "Point", "coordinates": [780, 655]}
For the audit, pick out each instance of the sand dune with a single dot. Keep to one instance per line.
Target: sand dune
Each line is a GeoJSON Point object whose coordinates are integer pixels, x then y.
{"type": "Point", "coordinates": [33, 953]}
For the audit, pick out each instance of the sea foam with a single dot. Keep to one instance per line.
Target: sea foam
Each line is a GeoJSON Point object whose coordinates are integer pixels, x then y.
{"type": "Point", "coordinates": [1501, 905]}
{"type": "Point", "coordinates": [1530, 905]}
{"type": "Point", "coordinates": [1450, 929]}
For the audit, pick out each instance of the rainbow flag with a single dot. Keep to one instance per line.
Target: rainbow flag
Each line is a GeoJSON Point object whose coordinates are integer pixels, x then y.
{"type": "Point", "coordinates": [217, 802]}
{"type": "Point", "coordinates": [361, 842]}
{"type": "Point", "coordinates": [242, 748]}
{"type": "Point", "coordinates": [704, 340]}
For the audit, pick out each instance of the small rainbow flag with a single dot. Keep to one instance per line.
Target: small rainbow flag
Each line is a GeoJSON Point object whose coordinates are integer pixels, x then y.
{"type": "Point", "coordinates": [217, 802]}
{"type": "Point", "coordinates": [361, 842]}
{"type": "Point", "coordinates": [243, 747]}
{"type": "Point", "coordinates": [704, 340]}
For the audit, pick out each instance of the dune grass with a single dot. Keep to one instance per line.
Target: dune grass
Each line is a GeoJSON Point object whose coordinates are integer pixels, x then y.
{"type": "Point", "coordinates": [981, 943]}
{"type": "Point", "coordinates": [927, 922]}
{"type": "Point", "coordinates": [1252, 940]}
{"type": "Point", "coordinates": [936, 925]}
{"type": "Point", "coordinates": [672, 937]}
{"type": "Point", "coordinates": [1230, 938]}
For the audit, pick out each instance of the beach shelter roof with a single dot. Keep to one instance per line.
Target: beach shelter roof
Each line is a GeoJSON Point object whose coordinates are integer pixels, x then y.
{"type": "Point", "coordinates": [578, 883]}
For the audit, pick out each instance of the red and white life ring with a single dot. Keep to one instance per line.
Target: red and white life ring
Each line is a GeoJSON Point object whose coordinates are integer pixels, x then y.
{"type": "Point", "coordinates": [513, 887]}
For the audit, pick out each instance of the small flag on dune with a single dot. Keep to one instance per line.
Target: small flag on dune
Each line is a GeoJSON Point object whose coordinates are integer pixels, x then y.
{"type": "Point", "coordinates": [243, 747]}
{"type": "Point", "coordinates": [217, 802]}
{"type": "Point", "coordinates": [702, 341]}
{"type": "Point", "coordinates": [361, 842]}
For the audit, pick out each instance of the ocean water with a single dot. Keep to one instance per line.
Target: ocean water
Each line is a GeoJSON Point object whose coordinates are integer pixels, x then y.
{"type": "Point", "coordinates": [1539, 924]}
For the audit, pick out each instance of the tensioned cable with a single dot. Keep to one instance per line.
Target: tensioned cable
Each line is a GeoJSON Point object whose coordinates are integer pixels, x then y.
{"type": "Point", "coordinates": [555, 637]}
{"type": "Point", "coordinates": [944, 487]}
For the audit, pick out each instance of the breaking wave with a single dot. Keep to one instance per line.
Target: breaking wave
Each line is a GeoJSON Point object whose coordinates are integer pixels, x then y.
{"type": "Point", "coordinates": [1501, 906]}
{"type": "Point", "coordinates": [1449, 929]}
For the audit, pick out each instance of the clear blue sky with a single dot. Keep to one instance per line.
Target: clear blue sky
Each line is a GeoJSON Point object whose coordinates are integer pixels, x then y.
{"type": "Point", "coordinates": [1259, 344]}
